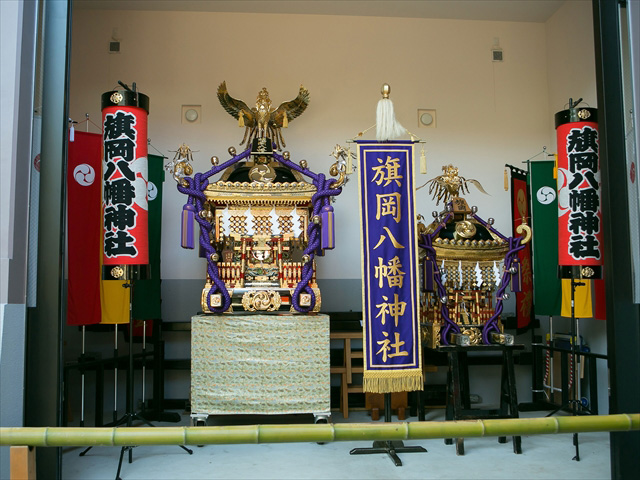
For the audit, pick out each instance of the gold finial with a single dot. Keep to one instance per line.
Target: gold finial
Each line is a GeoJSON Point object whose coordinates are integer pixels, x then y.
{"type": "Point", "coordinates": [386, 90]}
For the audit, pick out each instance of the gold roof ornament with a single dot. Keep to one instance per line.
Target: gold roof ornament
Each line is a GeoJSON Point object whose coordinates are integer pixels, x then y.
{"type": "Point", "coordinates": [180, 166]}
{"type": "Point", "coordinates": [463, 237]}
{"type": "Point", "coordinates": [448, 185]}
{"type": "Point", "coordinates": [262, 120]}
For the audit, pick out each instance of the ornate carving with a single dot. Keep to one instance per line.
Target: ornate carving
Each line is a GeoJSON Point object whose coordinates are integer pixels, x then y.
{"type": "Point", "coordinates": [475, 335]}
{"type": "Point", "coordinates": [262, 300]}
{"type": "Point", "coordinates": [465, 229]}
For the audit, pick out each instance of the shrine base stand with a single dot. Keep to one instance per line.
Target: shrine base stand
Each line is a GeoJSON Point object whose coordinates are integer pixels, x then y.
{"type": "Point", "coordinates": [254, 364]}
{"type": "Point", "coordinates": [458, 400]}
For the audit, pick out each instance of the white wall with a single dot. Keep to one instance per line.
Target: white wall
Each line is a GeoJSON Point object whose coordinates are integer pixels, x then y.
{"type": "Point", "coordinates": [571, 63]}
{"type": "Point", "coordinates": [488, 114]}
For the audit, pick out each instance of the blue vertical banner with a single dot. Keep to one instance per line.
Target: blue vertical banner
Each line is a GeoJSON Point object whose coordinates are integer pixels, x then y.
{"type": "Point", "coordinates": [391, 328]}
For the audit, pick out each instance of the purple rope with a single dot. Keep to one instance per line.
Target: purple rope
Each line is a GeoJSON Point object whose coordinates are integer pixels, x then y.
{"type": "Point", "coordinates": [296, 167]}
{"type": "Point", "coordinates": [492, 323]}
{"type": "Point", "coordinates": [488, 227]}
{"type": "Point", "coordinates": [195, 190]}
{"type": "Point", "coordinates": [321, 198]}
{"type": "Point", "coordinates": [426, 242]}
{"type": "Point", "coordinates": [514, 248]}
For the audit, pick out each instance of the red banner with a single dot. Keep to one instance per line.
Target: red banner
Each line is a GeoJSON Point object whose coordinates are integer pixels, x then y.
{"type": "Point", "coordinates": [84, 228]}
{"type": "Point", "coordinates": [520, 211]}
{"type": "Point", "coordinates": [125, 177]}
{"type": "Point", "coordinates": [579, 204]}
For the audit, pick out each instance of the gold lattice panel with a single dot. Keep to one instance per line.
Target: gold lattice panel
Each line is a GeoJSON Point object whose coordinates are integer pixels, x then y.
{"type": "Point", "coordinates": [451, 271]}
{"type": "Point", "coordinates": [262, 225]}
{"type": "Point", "coordinates": [238, 224]}
{"type": "Point", "coordinates": [263, 221]}
{"type": "Point", "coordinates": [285, 223]}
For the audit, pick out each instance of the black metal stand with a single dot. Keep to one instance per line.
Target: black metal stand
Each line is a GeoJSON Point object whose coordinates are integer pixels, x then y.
{"type": "Point", "coordinates": [458, 406]}
{"type": "Point", "coordinates": [574, 404]}
{"type": "Point", "coordinates": [157, 413]}
{"type": "Point", "coordinates": [116, 422]}
{"type": "Point", "coordinates": [390, 447]}
{"type": "Point", "coordinates": [130, 415]}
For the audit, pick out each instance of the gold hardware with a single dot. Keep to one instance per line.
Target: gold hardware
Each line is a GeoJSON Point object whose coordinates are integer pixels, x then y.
{"type": "Point", "coordinates": [117, 272]}
{"type": "Point", "coordinates": [584, 114]}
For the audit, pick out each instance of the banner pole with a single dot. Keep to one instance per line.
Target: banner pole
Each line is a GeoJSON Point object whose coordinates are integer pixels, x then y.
{"type": "Point", "coordinates": [115, 373]}
{"type": "Point", "coordinates": [574, 341]}
{"type": "Point", "coordinates": [551, 384]}
{"type": "Point", "coordinates": [82, 379]}
{"type": "Point", "coordinates": [144, 359]}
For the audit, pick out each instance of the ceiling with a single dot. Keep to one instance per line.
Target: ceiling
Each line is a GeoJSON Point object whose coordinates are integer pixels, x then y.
{"type": "Point", "coordinates": [538, 11]}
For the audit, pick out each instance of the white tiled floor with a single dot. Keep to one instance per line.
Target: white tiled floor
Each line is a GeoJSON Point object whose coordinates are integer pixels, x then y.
{"type": "Point", "coordinates": [543, 457]}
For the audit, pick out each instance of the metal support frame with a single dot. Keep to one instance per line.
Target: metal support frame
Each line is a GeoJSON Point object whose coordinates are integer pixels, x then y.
{"type": "Point", "coordinates": [458, 405]}
{"type": "Point", "coordinates": [44, 368]}
{"type": "Point", "coordinates": [130, 413]}
{"type": "Point", "coordinates": [574, 405]}
{"type": "Point", "coordinates": [623, 316]}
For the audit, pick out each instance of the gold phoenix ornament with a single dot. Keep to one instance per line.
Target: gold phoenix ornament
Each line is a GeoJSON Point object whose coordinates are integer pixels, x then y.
{"type": "Point", "coordinates": [449, 185]}
{"type": "Point", "coordinates": [263, 120]}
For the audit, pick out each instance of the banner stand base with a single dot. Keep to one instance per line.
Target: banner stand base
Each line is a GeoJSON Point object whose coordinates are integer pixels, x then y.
{"type": "Point", "coordinates": [576, 272]}
{"type": "Point", "coordinates": [130, 273]}
{"type": "Point", "coordinates": [390, 447]}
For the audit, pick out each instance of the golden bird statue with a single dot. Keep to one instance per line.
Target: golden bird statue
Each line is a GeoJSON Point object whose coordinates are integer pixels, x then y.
{"type": "Point", "coordinates": [262, 120]}
{"type": "Point", "coordinates": [449, 185]}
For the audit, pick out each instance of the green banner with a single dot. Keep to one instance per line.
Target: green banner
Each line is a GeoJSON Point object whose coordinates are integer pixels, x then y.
{"type": "Point", "coordinates": [146, 295]}
{"type": "Point", "coordinates": [547, 290]}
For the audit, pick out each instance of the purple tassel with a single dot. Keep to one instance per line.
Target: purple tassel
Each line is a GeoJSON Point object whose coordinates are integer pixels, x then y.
{"type": "Point", "coordinates": [328, 231]}
{"type": "Point", "coordinates": [427, 275]}
{"type": "Point", "coordinates": [188, 217]}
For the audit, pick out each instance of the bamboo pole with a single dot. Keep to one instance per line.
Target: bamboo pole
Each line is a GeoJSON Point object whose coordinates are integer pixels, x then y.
{"type": "Point", "coordinates": [339, 432]}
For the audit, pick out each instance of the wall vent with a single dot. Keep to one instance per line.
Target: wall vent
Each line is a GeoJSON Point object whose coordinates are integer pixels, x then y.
{"type": "Point", "coordinates": [114, 47]}
{"type": "Point", "coordinates": [497, 55]}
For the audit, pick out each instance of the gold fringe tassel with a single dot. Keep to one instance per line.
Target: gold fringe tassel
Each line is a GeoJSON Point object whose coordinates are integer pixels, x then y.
{"type": "Point", "coordinates": [349, 161]}
{"type": "Point", "coordinates": [241, 119]}
{"type": "Point", "coordinates": [389, 382]}
{"type": "Point", "coordinates": [285, 121]}
{"type": "Point", "coordinates": [506, 180]}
